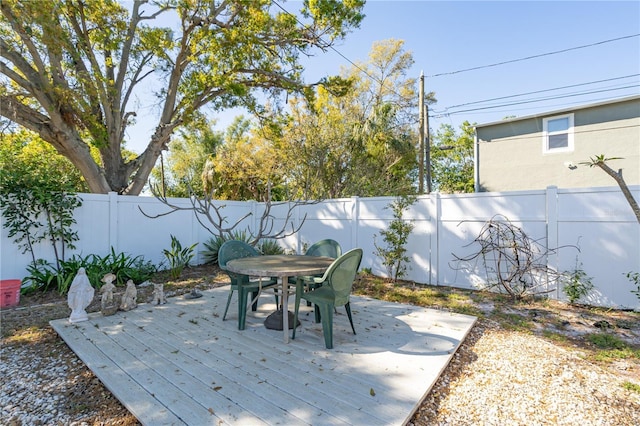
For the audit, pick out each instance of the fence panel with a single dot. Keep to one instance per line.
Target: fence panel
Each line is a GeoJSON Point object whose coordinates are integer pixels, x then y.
{"type": "Point", "coordinates": [598, 220]}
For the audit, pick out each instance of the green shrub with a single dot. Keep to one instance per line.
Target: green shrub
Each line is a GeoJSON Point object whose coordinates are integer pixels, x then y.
{"type": "Point", "coordinates": [393, 254]}
{"type": "Point", "coordinates": [634, 277]}
{"type": "Point", "coordinates": [576, 284]}
{"type": "Point", "coordinates": [270, 246]}
{"type": "Point", "coordinates": [178, 257]}
{"type": "Point", "coordinates": [606, 341]}
{"type": "Point", "coordinates": [44, 276]}
{"type": "Point", "coordinates": [211, 248]}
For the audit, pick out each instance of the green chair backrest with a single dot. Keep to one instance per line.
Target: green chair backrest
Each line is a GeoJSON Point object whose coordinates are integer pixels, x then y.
{"type": "Point", "coordinates": [327, 248]}
{"type": "Point", "coordinates": [234, 249]}
{"type": "Point", "coordinates": [342, 273]}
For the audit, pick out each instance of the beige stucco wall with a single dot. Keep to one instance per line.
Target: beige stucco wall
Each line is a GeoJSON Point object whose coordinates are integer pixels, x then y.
{"type": "Point", "coordinates": [511, 154]}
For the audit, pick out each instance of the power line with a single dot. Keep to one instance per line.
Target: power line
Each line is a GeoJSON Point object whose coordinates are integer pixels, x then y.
{"type": "Point", "coordinates": [365, 72]}
{"type": "Point", "coordinates": [534, 56]}
{"type": "Point", "coordinates": [537, 91]}
{"type": "Point", "coordinates": [534, 100]}
{"type": "Point", "coordinates": [333, 48]}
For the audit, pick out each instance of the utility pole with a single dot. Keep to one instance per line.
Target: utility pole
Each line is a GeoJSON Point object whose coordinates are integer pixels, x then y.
{"type": "Point", "coordinates": [427, 143]}
{"type": "Point", "coordinates": [421, 135]}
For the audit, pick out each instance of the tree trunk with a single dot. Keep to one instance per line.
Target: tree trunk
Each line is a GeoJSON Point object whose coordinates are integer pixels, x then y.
{"type": "Point", "coordinates": [617, 176]}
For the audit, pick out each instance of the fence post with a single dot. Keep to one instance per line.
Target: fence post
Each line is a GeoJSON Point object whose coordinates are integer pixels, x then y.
{"type": "Point", "coordinates": [435, 215]}
{"type": "Point", "coordinates": [112, 198]}
{"type": "Point", "coordinates": [298, 235]}
{"type": "Point", "coordinates": [355, 220]}
{"type": "Point", "coordinates": [552, 229]}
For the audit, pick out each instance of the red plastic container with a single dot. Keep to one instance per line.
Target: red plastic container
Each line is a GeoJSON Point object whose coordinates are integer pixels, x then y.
{"type": "Point", "coordinates": [9, 293]}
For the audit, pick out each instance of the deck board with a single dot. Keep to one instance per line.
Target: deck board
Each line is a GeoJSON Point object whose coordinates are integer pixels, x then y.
{"type": "Point", "coordinates": [179, 363]}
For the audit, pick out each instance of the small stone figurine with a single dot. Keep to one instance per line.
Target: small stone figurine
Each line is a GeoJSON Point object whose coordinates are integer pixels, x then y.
{"type": "Point", "coordinates": [158, 295]}
{"type": "Point", "coordinates": [107, 307]}
{"type": "Point", "coordinates": [80, 296]}
{"type": "Point", "coordinates": [129, 297]}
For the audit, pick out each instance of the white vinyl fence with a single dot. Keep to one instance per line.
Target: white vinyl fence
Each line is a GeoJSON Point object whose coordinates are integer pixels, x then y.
{"type": "Point", "coordinates": [597, 220]}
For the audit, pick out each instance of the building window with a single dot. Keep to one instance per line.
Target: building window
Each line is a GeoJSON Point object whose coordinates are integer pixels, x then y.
{"type": "Point", "coordinates": [557, 134]}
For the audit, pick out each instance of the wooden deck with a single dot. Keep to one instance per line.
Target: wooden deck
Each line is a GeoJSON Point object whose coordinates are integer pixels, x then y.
{"type": "Point", "coordinates": [179, 363]}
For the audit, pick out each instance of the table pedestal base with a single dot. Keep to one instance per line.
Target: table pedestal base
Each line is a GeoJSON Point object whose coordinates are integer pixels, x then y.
{"type": "Point", "coordinates": [274, 320]}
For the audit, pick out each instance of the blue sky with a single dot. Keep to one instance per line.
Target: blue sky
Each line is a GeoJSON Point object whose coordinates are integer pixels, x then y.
{"type": "Point", "coordinates": [448, 36]}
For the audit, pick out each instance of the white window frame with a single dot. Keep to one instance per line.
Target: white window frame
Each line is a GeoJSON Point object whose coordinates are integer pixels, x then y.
{"type": "Point", "coordinates": [546, 134]}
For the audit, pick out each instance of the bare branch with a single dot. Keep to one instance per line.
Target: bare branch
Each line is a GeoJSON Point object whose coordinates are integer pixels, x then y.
{"type": "Point", "coordinates": [205, 210]}
{"type": "Point", "coordinates": [513, 261]}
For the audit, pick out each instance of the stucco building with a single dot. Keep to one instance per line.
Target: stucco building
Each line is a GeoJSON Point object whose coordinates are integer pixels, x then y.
{"type": "Point", "coordinates": [542, 150]}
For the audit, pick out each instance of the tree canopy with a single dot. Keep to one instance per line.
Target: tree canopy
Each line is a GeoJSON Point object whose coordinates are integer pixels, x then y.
{"type": "Point", "coordinates": [360, 143]}
{"type": "Point", "coordinates": [452, 158]}
{"type": "Point", "coordinates": [72, 71]}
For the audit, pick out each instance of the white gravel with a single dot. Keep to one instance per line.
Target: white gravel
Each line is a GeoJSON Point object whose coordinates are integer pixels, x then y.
{"type": "Point", "coordinates": [34, 387]}
{"type": "Point", "coordinates": [521, 379]}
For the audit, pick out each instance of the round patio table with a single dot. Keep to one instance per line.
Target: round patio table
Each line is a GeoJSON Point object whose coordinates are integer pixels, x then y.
{"type": "Point", "coordinates": [283, 267]}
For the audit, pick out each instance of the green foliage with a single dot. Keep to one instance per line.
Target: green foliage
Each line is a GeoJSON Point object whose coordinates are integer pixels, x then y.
{"type": "Point", "coordinates": [612, 347]}
{"type": "Point", "coordinates": [44, 276]}
{"type": "Point", "coordinates": [631, 387]}
{"type": "Point", "coordinates": [37, 195]}
{"type": "Point", "coordinates": [94, 57]}
{"type": "Point", "coordinates": [246, 166]}
{"type": "Point", "coordinates": [634, 277]}
{"type": "Point", "coordinates": [361, 143]}
{"type": "Point", "coordinates": [396, 236]}
{"type": "Point", "coordinates": [576, 284]}
{"type": "Point", "coordinates": [212, 245]}
{"type": "Point", "coordinates": [184, 166]}
{"type": "Point", "coordinates": [178, 257]}
{"type": "Point", "coordinates": [211, 248]}
{"type": "Point", "coordinates": [270, 246]}
{"type": "Point", "coordinates": [606, 341]}
{"type": "Point", "coordinates": [452, 159]}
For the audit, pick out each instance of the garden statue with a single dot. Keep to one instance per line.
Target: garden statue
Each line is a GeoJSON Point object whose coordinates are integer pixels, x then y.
{"type": "Point", "coordinates": [80, 296]}
{"type": "Point", "coordinates": [158, 295]}
{"type": "Point", "coordinates": [107, 307]}
{"type": "Point", "coordinates": [129, 298]}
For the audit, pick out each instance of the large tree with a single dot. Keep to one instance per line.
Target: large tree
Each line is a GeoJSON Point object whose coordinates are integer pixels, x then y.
{"type": "Point", "coordinates": [70, 69]}
{"type": "Point", "coordinates": [362, 143]}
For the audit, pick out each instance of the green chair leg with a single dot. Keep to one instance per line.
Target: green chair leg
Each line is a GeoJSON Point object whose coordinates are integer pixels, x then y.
{"type": "Point", "coordinates": [242, 307]}
{"type": "Point", "coordinates": [348, 308]}
{"type": "Point", "coordinates": [227, 307]}
{"type": "Point", "coordinates": [326, 313]}
{"type": "Point", "coordinates": [316, 313]}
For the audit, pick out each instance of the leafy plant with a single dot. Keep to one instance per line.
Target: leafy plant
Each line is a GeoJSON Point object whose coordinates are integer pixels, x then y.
{"type": "Point", "coordinates": [270, 246]}
{"type": "Point", "coordinates": [212, 245]}
{"type": "Point", "coordinates": [44, 276]}
{"type": "Point", "coordinates": [41, 275]}
{"type": "Point", "coordinates": [631, 386]}
{"type": "Point", "coordinates": [634, 277]}
{"type": "Point", "coordinates": [211, 248]}
{"type": "Point", "coordinates": [393, 254]}
{"type": "Point", "coordinates": [576, 284]}
{"type": "Point", "coordinates": [178, 257]}
{"type": "Point", "coordinates": [37, 194]}
{"type": "Point", "coordinates": [33, 215]}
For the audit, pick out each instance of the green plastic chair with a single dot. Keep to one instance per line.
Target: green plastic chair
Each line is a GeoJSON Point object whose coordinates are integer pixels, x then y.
{"type": "Point", "coordinates": [336, 284]}
{"type": "Point", "coordinates": [327, 248]}
{"type": "Point", "coordinates": [234, 249]}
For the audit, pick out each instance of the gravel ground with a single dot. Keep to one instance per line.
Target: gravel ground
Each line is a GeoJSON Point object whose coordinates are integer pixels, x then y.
{"type": "Point", "coordinates": [498, 376]}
